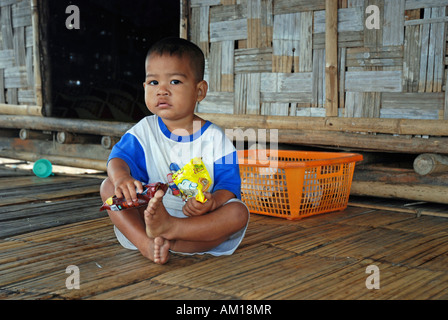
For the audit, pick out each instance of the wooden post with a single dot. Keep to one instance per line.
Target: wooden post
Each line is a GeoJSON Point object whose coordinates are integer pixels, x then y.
{"type": "Point", "coordinates": [331, 58]}
{"type": "Point", "coordinates": [428, 163]}
{"type": "Point", "coordinates": [184, 17]}
{"type": "Point", "coordinates": [445, 111]}
{"type": "Point", "coordinates": [36, 56]}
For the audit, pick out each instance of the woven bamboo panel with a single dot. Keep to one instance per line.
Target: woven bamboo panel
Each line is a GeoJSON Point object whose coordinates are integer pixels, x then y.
{"type": "Point", "coordinates": [17, 77]}
{"type": "Point", "coordinates": [267, 57]}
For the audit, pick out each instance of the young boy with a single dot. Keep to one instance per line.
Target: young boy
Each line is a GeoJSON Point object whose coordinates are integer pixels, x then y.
{"type": "Point", "coordinates": [159, 145]}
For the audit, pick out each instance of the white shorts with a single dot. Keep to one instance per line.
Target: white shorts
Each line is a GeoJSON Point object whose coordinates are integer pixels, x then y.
{"type": "Point", "coordinates": [226, 248]}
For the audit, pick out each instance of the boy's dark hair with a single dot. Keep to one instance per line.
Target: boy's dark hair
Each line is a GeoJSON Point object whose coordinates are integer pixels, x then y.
{"type": "Point", "coordinates": [181, 47]}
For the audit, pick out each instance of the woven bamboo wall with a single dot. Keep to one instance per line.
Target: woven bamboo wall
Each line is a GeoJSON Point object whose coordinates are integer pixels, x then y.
{"type": "Point", "coordinates": [267, 57]}
{"type": "Point", "coordinates": [18, 83]}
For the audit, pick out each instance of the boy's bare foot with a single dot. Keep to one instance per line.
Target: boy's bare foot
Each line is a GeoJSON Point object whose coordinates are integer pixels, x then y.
{"type": "Point", "coordinates": [157, 219]}
{"type": "Point", "coordinates": [161, 250]}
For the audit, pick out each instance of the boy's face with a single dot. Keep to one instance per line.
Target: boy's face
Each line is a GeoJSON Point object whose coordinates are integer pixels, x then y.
{"type": "Point", "coordinates": [171, 90]}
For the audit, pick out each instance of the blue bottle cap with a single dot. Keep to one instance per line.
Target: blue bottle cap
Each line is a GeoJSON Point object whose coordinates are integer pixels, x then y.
{"type": "Point", "coordinates": [42, 168]}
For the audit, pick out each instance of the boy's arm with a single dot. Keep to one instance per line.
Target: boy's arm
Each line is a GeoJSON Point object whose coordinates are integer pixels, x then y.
{"type": "Point", "coordinates": [124, 184]}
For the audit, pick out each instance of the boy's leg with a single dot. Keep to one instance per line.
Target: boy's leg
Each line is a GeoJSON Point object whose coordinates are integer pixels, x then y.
{"type": "Point", "coordinates": [194, 233]}
{"type": "Point", "coordinates": [131, 223]}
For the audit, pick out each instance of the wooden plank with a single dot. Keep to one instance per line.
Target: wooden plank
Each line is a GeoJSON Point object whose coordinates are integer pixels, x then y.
{"type": "Point", "coordinates": [205, 3]}
{"type": "Point", "coordinates": [347, 39]}
{"type": "Point", "coordinates": [348, 20]}
{"type": "Point", "coordinates": [21, 14]}
{"type": "Point", "coordinates": [423, 21]}
{"type": "Point", "coordinates": [254, 14]}
{"type": "Point", "coordinates": [184, 25]}
{"type": "Point", "coordinates": [217, 102]}
{"type": "Point", "coordinates": [318, 91]}
{"type": "Point", "coordinates": [2, 86]}
{"type": "Point", "coordinates": [6, 58]}
{"type": "Point", "coordinates": [240, 93]}
{"type": "Point", "coordinates": [331, 58]}
{"type": "Point", "coordinates": [424, 53]}
{"type": "Point", "coordinates": [445, 113]}
{"type": "Point", "coordinates": [424, 101]}
{"type": "Point", "coordinates": [403, 191]}
{"type": "Point", "coordinates": [342, 69]}
{"type": "Point", "coordinates": [290, 6]}
{"type": "Point", "coordinates": [253, 93]}
{"type": "Point", "coordinates": [228, 30]}
{"type": "Point", "coordinates": [50, 192]}
{"type": "Point", "coordinates": [439, 49]}
{"type": "Point", "coordinates": [366, 125]}
{"type": "Point", "coordinates": [228, 12]}
{"type": "Point", "coordinates": [393, 23]}
{"type": "Point", "coordinates": [411, 58]}
{"type": "Point", "coordinates": [215, 66]}
{"type": "Point", "coordinates": [363, 104]}
{"type": "Point", "coordinates": [286, 82]}
{"type": "Point", "coordinates": [253, 60]}
{"type": "Point", "coordinates": [375, 57]}
{"type": "Point", "coordinates": [373, 81]}
{"type": "Point", "coordinates": [227, 64]}
{"type": "Point", "coordinates": [72, 125]}
{"type": "Point", "coordinates": [204, 29]}
{"type": "Point", "coordinates": [417, 4]}
{"type": "Point", "coordinates": [15, 77]}
{"type": "Point", "coordinates": [194, 25]}
{"type": "Point", "coordinates": [285, 42]}
{"type": "Point", "coordinates": [7, 29]}
{"type": "Point", "coordinates": [305, 51]}
{"type": "Point", "coordinates": [20, 109]}
{"type": "Point", "coordinates": [374, 37]}
{"type": "Point", "coordinates": [21, 218]}
{"type": "Point", "coordinates": [37, 65]}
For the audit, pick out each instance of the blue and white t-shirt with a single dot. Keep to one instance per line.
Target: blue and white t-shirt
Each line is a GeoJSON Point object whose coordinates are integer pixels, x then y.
{"type": "Point", "coordinates": [153, 154]}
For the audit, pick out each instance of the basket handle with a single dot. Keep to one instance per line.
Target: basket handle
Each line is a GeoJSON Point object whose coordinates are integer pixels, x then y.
{"type": "Point", "coordinates": [331, 170]}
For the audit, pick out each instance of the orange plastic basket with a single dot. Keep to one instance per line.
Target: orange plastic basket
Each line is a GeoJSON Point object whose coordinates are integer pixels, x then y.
{"type": "Point", "coordinates": [295, 184]}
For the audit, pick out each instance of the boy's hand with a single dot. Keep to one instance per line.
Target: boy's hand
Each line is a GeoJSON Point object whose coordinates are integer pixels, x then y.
{"type": "Point", "coordinates": [196, 208]}
{"type": "Point", "coordinates": [126, 187]}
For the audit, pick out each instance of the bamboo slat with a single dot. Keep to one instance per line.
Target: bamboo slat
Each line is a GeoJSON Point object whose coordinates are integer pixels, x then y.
{"type": "Point", "coordinates": [22, 190]}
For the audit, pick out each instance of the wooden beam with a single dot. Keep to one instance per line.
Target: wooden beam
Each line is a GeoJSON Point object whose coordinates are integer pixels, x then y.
{"type": "Point", "coordinates": [352, 141]}
{"type": "Point", "coordinates": [331, 58]}
{"type": "Point", "coordinates": [356, 141]}
{"type": "Point", "coordinates": [372, 125]}
{"type": "Point", "coordinates": [110, 128]}
{"type": "Point", "coordinates": [14, 109]}
{"type": "Point", "coordinates": [429, 193]}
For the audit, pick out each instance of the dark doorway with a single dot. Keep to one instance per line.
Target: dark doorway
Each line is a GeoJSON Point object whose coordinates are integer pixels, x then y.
{"type": "Point", "coordinates": [97, 70]}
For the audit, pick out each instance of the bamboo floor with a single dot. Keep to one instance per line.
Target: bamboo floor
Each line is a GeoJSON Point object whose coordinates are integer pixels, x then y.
{"type": "Point", "coordinates": [45, 230]}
